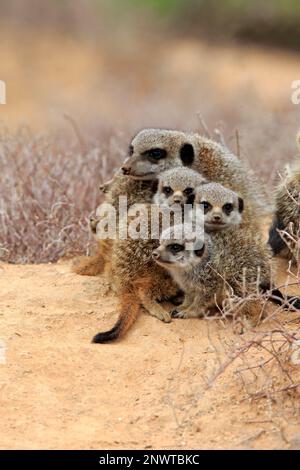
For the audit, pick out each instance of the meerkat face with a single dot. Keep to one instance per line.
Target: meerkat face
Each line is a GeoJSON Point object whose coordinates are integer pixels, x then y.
{"type": "Point", "coordinates": [177, 186]}
{"type": "Point", "coordinates": [222, 208]}
{"type": "Point", "coordinates": [153, 151]}
{"type": "Point", "coordinates": [182, 252]}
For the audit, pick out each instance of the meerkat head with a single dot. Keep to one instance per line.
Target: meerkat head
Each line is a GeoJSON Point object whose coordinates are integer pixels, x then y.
{"type": "Point", "coordinates": [222, 208]}
{"type": "Point", "coordinates": [177, 186]}
{"type": "Point", "coordinates": [153, 151]}
{"type": "Point", "coordinates": [181, 248]}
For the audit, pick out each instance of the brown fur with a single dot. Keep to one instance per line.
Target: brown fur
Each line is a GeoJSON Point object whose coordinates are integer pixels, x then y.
{"type": "Point", "coordinates": [235, 262]}
{"type": "Point", "coordinates": [95, 264]}
{"type": "Point", "coordinates": [133, 271]}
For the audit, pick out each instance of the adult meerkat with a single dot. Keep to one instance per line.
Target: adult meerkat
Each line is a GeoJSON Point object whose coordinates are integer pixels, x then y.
{"type": "Point", "coordinates": [287, 214]}
{"type": "Point", "coordinates": [136, 277]}
{"type": "Point", "coordinates": [155, 150]}
{"type": "Point", "coordinates": [136, 191]}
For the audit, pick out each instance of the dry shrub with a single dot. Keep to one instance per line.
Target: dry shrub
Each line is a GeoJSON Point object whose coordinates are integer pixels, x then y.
{"type": "Point", "coordinates": [49, 188]}
{"type": "Point", "coordinates": [50, 182]}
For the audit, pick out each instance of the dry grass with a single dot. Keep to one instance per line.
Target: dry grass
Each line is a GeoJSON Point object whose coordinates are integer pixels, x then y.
{"type": "Point", "coordinates": [50, 180]}
{"type": "Point", "coordinates": [49, 188]}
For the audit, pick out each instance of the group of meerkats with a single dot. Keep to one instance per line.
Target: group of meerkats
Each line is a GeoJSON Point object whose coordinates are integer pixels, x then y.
{"type": "Point", "coordinates": [230, 260]}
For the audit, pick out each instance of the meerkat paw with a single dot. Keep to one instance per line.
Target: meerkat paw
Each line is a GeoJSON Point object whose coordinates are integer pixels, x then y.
{"type": "Point", "coordinates": [177, 314]}
{"type": "Point", "coordinates": [161, 314]}
{"type": "Point", "coordinates": [186, 313]}
{"type": "Point", "coordinates": [165, 317]}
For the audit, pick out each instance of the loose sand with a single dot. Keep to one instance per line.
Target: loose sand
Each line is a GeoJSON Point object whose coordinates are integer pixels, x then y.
{"type": "Point", "coordinates": [148, 390]}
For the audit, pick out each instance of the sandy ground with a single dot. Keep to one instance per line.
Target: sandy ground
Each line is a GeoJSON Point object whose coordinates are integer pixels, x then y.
{"type": "Point", "coordinates": [148, 391]}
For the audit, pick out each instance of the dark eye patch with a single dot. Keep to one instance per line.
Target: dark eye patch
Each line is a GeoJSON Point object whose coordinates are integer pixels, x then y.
{"type": "Point", "coordinates": [155, 154]}
{"type": "Point", "coordinates": [167, 190]}
{"type": "Point", "coordinates": [187, 154]}
{"type": "Point", "coordinates": [206, 206]}
{"type": "Point", "coordinates": [227, 208]}
{"type": "Point", "coordinates": [241, 204]}
{"type": "Point", "coordinates": [200, 252]}
{"type": "Point", "coordinates": [188, 191]}
{"type": "Point", "coordinates": [175, 248]}
{"type": "Point", "coordinates": [130, 150]}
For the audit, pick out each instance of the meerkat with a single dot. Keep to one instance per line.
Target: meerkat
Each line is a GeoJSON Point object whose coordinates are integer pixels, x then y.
{"type": "Point", "coordinates": [133, 268]}
{"type": "Point", "coordinates": [225, 221]}
{"type": "Point", "coordinates": [287, 214]}
{"type": "Point", "coordinates": [222, 208]}
{"type": "Point", "coordinates": [177, 186]}
{"type": "Point", "coordinates": [209, 269]}
{"type": "Point", "coordinates": [153, 151]}
{"type": "Point", "coordinates": [136, 192]}
{"type": "Point", "coordinates": [139, 282]}
{"type": "Point", "coordinates": [99, 262]}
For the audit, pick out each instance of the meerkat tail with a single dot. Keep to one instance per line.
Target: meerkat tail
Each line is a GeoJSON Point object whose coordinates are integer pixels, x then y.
{"type": "Point", "coordinates": [89, 265]}
{"type": "Point", "coordinates": [276, 296]}
{"type": "Point", "coordinates": [130, 307]}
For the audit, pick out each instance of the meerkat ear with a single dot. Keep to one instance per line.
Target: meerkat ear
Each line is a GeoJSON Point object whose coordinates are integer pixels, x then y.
{"type": "Point", "coordinates": [187, 154]}
{"type": "Point", "coordinates": [241, 204]}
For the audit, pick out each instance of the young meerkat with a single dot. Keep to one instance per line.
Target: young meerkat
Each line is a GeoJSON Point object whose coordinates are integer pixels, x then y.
{"type": "Point", "coordinates": [177, 186]}
{"type": "Point", "coordinates": [222, 208]}
{"type": "Point", "coordinates": [210, 269]}
{"type": "Point", "coordinates": [224, 220]}
{"type": "Point", "coordinates": [287, 214]}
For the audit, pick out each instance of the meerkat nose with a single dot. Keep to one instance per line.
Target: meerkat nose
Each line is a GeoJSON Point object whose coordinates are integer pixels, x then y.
{"type": "Point", "coordinates": [217, 218]}
{"type": "Point", "coordinates": [126, 171]}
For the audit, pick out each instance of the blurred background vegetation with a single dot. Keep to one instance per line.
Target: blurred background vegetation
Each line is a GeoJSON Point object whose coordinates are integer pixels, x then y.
{"type": "Point", "coordinates": [272, 22]}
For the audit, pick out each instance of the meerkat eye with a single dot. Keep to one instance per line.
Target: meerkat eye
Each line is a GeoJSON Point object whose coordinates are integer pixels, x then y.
{"type": "Point", "coordinates": [200, 252]}
{"type": "Point", "coordinates": [130, 150]}
{"type": "Point", "coordinates": [188, 191]}
{"type": "Point", "coordinates": [206, 206]}
{"type": "Point", "coordinates": [167, 190]}
{"type": "Point", "coordinates": [227, 208]}
{"type": "Point", "coordinates": [175, 248]}
{"type": "Point", "coordinates": [155, 154]}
